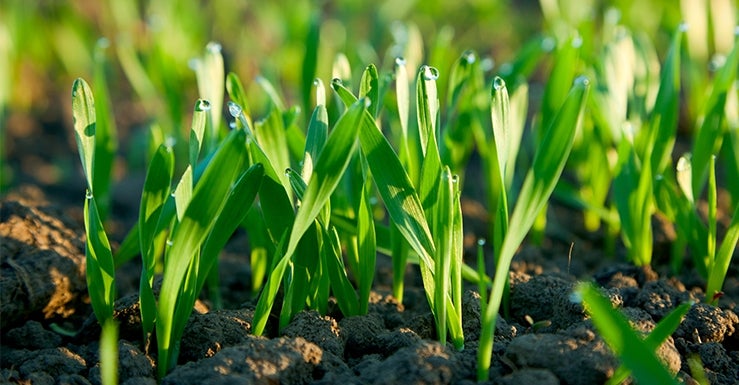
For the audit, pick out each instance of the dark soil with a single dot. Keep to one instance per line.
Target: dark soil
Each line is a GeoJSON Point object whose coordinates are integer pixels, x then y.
{"type": "Point", "coordinates": [42, 290]}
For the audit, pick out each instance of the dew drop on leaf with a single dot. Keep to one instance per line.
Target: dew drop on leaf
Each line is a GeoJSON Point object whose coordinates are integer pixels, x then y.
{"type": "Point", "coordinates": [498, 83]}
{"type": "Point", "coordinates": [202, 105]}
{"type": "Point", "coordinates": [548, 44]}
{"type": "Point", "coordinates": [469, 56]}
{"type": "Point", "coordinates": [88, 194]}
{"type": "Point", "coordinates": [170, 141]}
{"type": "Point", "coordinates": [213, 47]}
{"type": "Point", "coordinates": [194, 64]}
{"type": "Point", "coordinates": [430, 73]}
{"type": "Point", "coordinates": [234, 109]}
{"type": "Point", "coordinates": [582, 81]}
{"type": "Point", "coordinates": [103, 42]}
{"type": "Point", "coordinates": [399, 61]}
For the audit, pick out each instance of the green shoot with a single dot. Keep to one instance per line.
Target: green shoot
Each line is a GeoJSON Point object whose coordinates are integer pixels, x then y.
{"type": "Point", "coordinates": [636, 354]}
{"type": "Point", "coordinates": [549, 161]}
{"type": "Point", "coordinates": [99, 258]}
{"type": "Point", "coordinates": [109, 353]}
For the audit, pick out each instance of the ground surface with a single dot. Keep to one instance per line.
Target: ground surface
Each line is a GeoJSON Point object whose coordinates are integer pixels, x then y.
{"type": "Point", "coordinates": [42, 284]}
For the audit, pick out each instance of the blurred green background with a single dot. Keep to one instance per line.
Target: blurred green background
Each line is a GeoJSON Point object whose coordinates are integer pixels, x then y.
{"type": "Point", "coordinates": [146, 48]}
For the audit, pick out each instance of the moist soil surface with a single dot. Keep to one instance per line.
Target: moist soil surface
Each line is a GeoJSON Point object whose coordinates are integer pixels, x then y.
{"type": "Point", "coordinates": [544, 337]}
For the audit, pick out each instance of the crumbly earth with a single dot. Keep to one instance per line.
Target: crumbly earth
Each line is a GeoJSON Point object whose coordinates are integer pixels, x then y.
{"type": "Point", "coordinates": [544, 338]}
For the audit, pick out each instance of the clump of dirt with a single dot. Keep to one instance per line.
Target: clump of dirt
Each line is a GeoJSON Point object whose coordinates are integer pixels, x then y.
{"type": "Point", "coordinates": [544, 337]}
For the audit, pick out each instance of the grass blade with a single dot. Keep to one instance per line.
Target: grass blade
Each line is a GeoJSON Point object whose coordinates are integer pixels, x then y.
{"type": "Point", "coordinates": [328, 170]}
{"type": "Point", "coordinates": [549, 161]}
{"type": "Point", "coordinates": [99, 264]}
{"type": "Point", "coordinates": [623, 340]}
{"type": "Point", "coordinates": [199, 218]}
{"type": "Point", "coordinates": [83, 110]}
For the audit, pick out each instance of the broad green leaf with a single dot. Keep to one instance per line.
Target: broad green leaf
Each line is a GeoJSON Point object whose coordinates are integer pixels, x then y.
{"type": "Point", "coordinates": [315, 139]}
{"type": "Point", "coordinates": [100, 269]}
{"type": "Point", "coordinates": [270, 134]}
{"type": "Point", "coordinates": [369, 88]}
{"type": "Point", "coordinates": [427, 105]}
{"type": "Point", "coordinates": [183, 192]}
{"type": "Point", "coordinates": [83, 112]}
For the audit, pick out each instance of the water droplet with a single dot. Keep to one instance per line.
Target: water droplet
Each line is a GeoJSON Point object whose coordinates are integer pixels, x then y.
{"type": "Point", "coordinates": [469, 56]}
{"type": "Point", "coordinates": [498, 83]}
{"type": "Point", "coordinates": [194, 64]}
{"type": "Point", "coordinates": [88, 194]}
{"type": "Point", "coordinates": [455, 178]}
{"type": "Point", "coordinates": [717, 62]}
{"type": "Point", "coordinates": [234, 109]}
{"type": "Point", "coordinates": [506, 69]}
{"type": "Point", "coordinates": [683, 163]}
{"type": "Point", "coordinates": [337, 82]}
{"type": "Point", "coordinates": [367, 102]}
{"type": "Point", "coordinates": [612, 16]}
{"type": "Point", "coordinates": [316, 82]}
{"type": "Point", "coordinates": [170, 141]}
{"type": "Point", "coordinates": [481, 242]}
{"type": "Point", "coordinates": [373, 201]}
{"type": "Point", "coordinates": [169, 242]}
{"type": "Point", "coordinates": [202, 105]}
{"type": "Point", "coordinates": [548, 44]}
{"type": "Point", "coordinates": [487, 64]}
{"type": "Point", "coordinates": [213, 47]}
{"type": "Point", "coordinates": [577, 42]}
{"type": "Point", "coordinates": [683, 27]}
{"type": "Point", "coordinates": [288, 171]}
{"type": "Point", "coordinates": [659, 177]}
{"type": "Point", "coordinates": [582, 81]}
{"type": "Point", "coordinates": [173, 193]}
{"type": "Point", "coordinates": [232, 125]}
{"type": "Point", "coordinates": [430, 73]}
{"type": "Point", "coordinates": [103, 42]}
{"type": "Point", "coordinates": [399, 61]}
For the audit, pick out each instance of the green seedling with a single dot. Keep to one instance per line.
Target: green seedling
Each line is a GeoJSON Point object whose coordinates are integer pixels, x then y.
{"type": "Point", "coordinates": [548, 163]}
{"type": "Point", "coordinates": [646, 157]}
{"type": "Point", "coordinates": [100, 268]}
{"type": "Point", "coordinates": [109, 353]}
{"type": "Point", "coordinates": [637, 354]}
